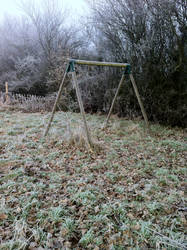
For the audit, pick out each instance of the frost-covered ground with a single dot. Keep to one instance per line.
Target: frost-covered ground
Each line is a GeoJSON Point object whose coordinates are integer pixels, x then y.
{"type": "Point", "coordinates": [57, 194]}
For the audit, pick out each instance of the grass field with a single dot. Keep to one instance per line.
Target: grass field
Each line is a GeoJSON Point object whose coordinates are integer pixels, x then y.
{"type": "Point", "coordinates": [55, 194]}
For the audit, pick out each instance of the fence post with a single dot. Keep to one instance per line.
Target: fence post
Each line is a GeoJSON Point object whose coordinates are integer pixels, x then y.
{"type": "Point", "coordinates": [6, 88]}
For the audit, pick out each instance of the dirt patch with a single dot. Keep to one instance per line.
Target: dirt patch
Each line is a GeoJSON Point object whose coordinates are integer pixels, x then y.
{"type": "Point", "coordinates": [6, 167]}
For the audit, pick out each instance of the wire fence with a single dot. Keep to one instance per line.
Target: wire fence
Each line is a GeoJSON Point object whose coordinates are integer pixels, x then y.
{"type": "Point", "coordinates": [27, 103]}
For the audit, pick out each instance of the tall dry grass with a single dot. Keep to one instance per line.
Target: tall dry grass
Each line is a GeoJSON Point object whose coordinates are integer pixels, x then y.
{"type": "Point", "coordinates": [29, 103]}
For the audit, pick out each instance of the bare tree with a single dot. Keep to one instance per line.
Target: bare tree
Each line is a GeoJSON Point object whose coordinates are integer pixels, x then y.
{"type": "Point", "coordinates": [19, 58]}
{"type": "Point", "coordinates": [35, 46]}
{"type": "Point", "coordinates": [151, 35]}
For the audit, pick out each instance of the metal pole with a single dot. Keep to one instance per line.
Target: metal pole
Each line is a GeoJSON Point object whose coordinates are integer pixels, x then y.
{"type": "Point", "coordinates": [113, 102]}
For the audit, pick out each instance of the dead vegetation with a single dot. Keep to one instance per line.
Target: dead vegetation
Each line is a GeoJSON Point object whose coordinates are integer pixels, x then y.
{"type": "Point", "coordinates": [56, 194]}
{"type": "Point", "coordinates": [28, 103]}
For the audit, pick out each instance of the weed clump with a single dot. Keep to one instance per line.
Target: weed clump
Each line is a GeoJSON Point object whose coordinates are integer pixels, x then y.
{"type": "Point", "coordinates": [76, 137]}
{"type": "Point", "coordinates": [124, 127]}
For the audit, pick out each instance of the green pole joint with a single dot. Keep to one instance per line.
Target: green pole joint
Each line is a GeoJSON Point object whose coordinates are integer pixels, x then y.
{"type": "Point", "coordinates": [127, 70]}
{"type": "Point", "coordinates": [71, 66]}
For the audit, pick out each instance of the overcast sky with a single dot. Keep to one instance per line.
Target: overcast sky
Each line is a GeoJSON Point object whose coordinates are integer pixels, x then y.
{"type": "Point", "coordinates": [10, 7]}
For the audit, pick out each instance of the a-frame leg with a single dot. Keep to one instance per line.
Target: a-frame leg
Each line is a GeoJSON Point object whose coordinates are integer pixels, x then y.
{"type": "Point", "coordinates": [139, 100]}
{"type": "Point", "coordinates": [113, 102]}
{"type": "Point", "coordinates": [78, 93]}
{"type": "Point", "coordinates": [55, 104]}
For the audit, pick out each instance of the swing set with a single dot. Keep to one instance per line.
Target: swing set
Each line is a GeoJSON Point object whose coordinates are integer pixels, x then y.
{"type": "Point", "coordinates": [71, 69]}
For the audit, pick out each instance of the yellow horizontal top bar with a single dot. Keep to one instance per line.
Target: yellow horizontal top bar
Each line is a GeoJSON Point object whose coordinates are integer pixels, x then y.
{"type": "Point", "coordinates": [96, 63]}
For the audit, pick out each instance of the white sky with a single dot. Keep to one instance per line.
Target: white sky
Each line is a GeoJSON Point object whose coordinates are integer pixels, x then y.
{"type": "Point", "coordinates": [9, 7]}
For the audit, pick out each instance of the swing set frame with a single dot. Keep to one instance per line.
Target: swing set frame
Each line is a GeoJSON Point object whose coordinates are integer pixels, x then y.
{"type": "Point", "coordinates": [71, 68]}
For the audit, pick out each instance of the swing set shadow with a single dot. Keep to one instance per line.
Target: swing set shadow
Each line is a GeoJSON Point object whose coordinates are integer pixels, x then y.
{"type": "Point", "coordinates": [71, 69]}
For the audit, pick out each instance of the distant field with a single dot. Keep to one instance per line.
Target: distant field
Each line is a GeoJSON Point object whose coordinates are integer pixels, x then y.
{"type": "Point", "coordinates": [55, 193]}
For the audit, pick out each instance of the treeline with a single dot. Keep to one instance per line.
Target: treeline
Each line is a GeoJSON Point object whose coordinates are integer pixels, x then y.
{"type": "Point", "coordinates": [150, 35]}
{"type": "Point", "coordinates": [34, 47]}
